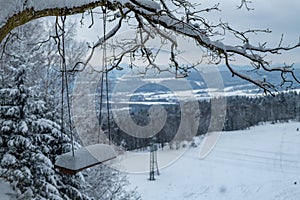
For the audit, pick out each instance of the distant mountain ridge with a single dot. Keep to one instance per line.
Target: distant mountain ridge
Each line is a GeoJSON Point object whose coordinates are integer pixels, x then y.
{"type": "Point", "coordinates": [154, 89]}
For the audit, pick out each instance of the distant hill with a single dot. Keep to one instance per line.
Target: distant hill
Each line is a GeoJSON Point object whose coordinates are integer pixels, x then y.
{"type": "Point", "coordinates": [155, 88]}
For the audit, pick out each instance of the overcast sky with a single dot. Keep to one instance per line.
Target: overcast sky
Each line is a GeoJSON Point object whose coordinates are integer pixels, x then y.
{"type": "Point", "coordinates": [282, 17]}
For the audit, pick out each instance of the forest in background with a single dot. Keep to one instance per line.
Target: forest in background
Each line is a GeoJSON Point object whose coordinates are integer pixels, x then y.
{"type": "Point", "coordinates": [242, 112]}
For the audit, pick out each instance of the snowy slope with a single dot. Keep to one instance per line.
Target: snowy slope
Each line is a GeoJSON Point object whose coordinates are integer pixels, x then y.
{"type": "Point", "coordinates": [6, 192]}
{"type": "Point", "coordinates": [260, 163]}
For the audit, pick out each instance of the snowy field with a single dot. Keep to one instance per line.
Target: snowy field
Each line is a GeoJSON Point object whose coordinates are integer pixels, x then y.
{"type": "Point", "coordinates": [6, 191]}
{"type": "Point", "coordinates": [262, 163]}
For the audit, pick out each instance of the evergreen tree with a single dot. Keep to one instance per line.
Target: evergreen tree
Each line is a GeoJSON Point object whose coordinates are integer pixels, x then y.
{"type": "Point", "coordinates": [30, 140]}
{"type": "Point", "coordinates": [30, 137]}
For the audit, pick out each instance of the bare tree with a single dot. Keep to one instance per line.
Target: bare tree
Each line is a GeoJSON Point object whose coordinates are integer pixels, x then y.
{"type": "Point", "coordinates": [160, 18]}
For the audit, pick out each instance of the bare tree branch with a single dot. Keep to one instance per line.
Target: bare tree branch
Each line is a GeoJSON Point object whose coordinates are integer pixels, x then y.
{"type": "Point", "coordinates": [245, 3]}
{"type": "Point", "coordinates": [184, 18]}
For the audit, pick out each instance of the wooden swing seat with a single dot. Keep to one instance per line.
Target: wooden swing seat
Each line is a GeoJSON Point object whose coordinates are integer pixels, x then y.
{"type": "Point", "coordinates": [84, 158]}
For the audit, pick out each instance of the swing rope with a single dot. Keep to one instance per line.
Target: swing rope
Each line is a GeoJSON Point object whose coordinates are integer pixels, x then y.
{"type": "Point", "coordinates": [65, 84]}
{"type": "Point", "coordinates": [104, 71]}
{"type": "Point", "coordinates": [62, 107]}
{"type": "Point", "coordinates": [62, 127]}
{"type": "Point", "coordinates": [101, 86]}
{"type": "Point", "coordinates": [106, 75]}
{"type": "Point", "coordinates": [69, 113]}
{"type": "Point", "coordinates": [84, 159]}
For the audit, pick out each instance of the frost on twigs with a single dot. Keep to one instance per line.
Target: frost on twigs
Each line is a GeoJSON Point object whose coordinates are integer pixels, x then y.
{"type": "Point", "coordinates": [245, 3]}
{"type": "Point", "coordinates": [162, 19]}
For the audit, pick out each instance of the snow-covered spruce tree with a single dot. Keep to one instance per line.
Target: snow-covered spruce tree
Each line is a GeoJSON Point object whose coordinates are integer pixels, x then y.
{"type": "Point", "coordinates": [30, 135]}
{"type": "Point", "coordinates": [112, 183]}
{"type": "Point", "coordinates": [30, 141]}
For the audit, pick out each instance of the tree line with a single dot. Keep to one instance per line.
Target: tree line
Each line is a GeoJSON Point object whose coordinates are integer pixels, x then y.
{"type": "Point", "coordinates": [242, 112]}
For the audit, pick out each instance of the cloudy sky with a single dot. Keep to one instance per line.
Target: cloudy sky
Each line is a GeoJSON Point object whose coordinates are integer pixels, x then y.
{"type": "Point", "coordinates": [282, 17]}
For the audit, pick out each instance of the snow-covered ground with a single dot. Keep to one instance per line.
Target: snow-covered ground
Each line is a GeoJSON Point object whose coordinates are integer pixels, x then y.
{"type": "Point", "coordinates": [262, 163]}
{"type": "Point", "coordinates": [6, 192]}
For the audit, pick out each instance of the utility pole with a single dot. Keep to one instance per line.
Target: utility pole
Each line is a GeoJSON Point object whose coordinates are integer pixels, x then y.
{"type": "Point", "coordinates": [153, 159]}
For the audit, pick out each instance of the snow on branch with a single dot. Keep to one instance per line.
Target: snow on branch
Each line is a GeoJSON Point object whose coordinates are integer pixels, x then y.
{"type": "Point", "coordinates": [179, 16]}
{"type": "Point", "coordinates": [254, 54]}
{"type": "Point", "coordinates": [19, 12]}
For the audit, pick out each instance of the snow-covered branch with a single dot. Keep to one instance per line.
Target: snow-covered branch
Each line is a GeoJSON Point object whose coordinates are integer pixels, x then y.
{"type": "Point", "coordinates": [17, 13]}
{"type": "Point", "coordinates": [179, 16]}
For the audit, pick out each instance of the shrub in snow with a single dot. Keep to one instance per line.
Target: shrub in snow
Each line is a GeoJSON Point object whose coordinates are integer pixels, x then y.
{"type": "Point", "coordinates": [184, 144]}
{"type": "Point", "coordinates": [112, 183]}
